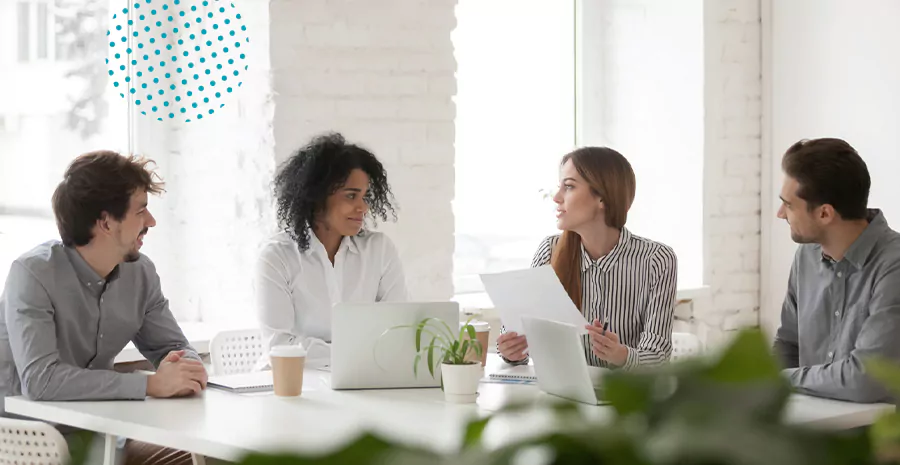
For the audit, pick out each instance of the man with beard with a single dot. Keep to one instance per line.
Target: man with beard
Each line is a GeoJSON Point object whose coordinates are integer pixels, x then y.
{"type": "Point", "coordinates": [843, 299]}
{"type": "Point", "coordinates": [70, 306]}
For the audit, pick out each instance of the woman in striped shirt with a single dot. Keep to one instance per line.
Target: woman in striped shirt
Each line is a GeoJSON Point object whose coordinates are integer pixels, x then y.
{"type": "Point", "coordinates": [622, 283]}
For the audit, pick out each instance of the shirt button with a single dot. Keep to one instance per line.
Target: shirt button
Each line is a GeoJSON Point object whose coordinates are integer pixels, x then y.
{"type": "Point", "coordinates": [840, 274]}
{"type": "Point", "coordinates": [837, 313]}
{"type": "Point", "coordinates": [101, 335]}
{"type": "Point", "coordinates": [830, 354]}
{"type": "Point", "coordinates": [90, 365]}
{"type": "Point", "coordinates": [101, 299]}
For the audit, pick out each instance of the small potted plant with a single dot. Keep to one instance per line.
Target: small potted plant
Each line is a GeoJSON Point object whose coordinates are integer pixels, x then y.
{"type": "Point", "coordinates": [439, 345]}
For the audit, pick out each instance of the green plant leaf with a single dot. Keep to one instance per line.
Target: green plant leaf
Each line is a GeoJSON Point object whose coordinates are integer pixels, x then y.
{"type": "Point", "coordinates": [885, 372]}
{"type": "Point", "coordinates": [463, 350]}
{"type": "Point", "coordinates": [884, 437]}
{"type": "Point", "coordinates": [721, 440]}
{"type": "Point", "coordinates": [80, 447]}
{"type": "Point", "coordinates": [627, 392]}
{"type": "Point", "coordinates": [477, 347]}
{"type": "Point", "coordinates": [471, 330]}
{"type": "Point", "coordinates": [368, 449]}
{"type": "Point", "coordinates": [419, 329]}
{"type": "Point", "coordinates": [885, 433]}
{"type": "Point", "coordinates": [431, 358]}
{"type": "Point", "coordinates": [474, 430]}
{"type": "Point", "coordinates": [747, 359]}
{"type": "Point", "coordinates": [416, 364]}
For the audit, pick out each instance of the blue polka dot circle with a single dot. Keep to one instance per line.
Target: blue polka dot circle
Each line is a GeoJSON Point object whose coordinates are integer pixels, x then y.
{"type": "Point", "coordinates": [177, 59]}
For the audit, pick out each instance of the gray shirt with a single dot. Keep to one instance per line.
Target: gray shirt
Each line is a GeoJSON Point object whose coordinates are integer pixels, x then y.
{"type": "Point", "coordinates": [63, 326]}
{"type": "Point", "coordinates": [836, 314]}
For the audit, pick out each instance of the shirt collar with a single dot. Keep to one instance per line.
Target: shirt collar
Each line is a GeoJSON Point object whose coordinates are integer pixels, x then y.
{"type": "Point", "coordinates": [85, 273]}
{"type": "Point", "coordinates": [862, 247]}
{"type": "Point", "coordinates": [348, 243]}
{"type": "Point", "coordinates": [609, 259]}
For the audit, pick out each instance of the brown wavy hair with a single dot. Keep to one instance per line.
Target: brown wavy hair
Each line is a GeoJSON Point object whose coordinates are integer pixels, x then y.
{"type": "Point", "coordinates": [610, 178]}
{"type": "Point", "coordinates": [99, 182]}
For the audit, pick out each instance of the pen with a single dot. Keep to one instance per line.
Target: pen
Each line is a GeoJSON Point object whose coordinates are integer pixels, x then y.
{"type": "Point", "coordinates": [605, 327]}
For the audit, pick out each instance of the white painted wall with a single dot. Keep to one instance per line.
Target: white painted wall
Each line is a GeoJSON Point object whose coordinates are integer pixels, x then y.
{"type": "Point", "coordinates": [835, 73]}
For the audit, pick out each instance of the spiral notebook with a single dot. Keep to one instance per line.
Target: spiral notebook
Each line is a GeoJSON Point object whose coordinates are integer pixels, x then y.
{"type": "Point", "coordinates": [523, 373]}
{"type": "Point", "coordinates": [244, 382]}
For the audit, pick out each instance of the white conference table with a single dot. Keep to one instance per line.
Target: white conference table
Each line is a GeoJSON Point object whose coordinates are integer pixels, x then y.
{"type": "Point", "coordinates": [228, 426]}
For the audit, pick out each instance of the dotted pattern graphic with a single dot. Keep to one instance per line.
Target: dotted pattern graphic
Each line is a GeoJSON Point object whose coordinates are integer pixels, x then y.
{"type": "Point", "coordinates": [177, 59]}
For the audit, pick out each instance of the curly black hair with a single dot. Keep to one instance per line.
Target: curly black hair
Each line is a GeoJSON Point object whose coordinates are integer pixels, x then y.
{"type": "Point", "coordinates": [316, 171]}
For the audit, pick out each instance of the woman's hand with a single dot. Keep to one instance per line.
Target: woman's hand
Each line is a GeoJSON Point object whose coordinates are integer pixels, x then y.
{"type": "Point", "coordinates": [606, 346]}
{"type": "Point", "coordinates": [512, 346]}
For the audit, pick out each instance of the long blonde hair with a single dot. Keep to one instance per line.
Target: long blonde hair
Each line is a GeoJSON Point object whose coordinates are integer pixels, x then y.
{"type": "Point", "coordinates": [610, 178]}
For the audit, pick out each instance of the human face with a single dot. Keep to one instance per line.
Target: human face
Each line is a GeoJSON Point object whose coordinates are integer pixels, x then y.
{"type": "Point", "coordinates": [804, 223]}
{"type": "Point", "coordinates": [577, 206]}
{"type": "Point", "coordinates": [128, 234]}
{"type": "Point", "coordinates": [346, 208]}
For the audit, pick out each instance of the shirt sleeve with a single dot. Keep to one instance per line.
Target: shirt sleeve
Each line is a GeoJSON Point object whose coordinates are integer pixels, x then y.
{"type": "Point", "coordinates": [655, 344]}
{"type": "Point", "coordinates": [159, 333]}
{"type": "Point", "coordinates": [786, 345]}
{"type": "Point", "coordinates": [274, 306]}
{"type": "Point", "coordinates": [32, 337]}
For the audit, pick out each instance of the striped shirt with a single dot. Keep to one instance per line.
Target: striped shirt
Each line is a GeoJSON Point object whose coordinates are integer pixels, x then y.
{"type": "Point", "coordinates": [633, 288]}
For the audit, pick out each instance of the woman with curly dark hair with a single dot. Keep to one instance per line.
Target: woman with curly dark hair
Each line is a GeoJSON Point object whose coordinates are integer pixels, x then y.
{"type": "Point", "coordinates": [325, 192]}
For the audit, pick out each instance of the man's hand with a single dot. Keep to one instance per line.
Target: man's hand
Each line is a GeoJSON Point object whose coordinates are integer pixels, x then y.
{"type": "Point", "coordinates": [177, 376]}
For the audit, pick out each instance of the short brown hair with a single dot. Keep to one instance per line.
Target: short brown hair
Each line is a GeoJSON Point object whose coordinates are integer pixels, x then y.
{"type": "Point", "coordinates": [610, 177]}
{"type": "Point", "coordinates": [831, 172]}
{"type": "Point", "coordinates": [97, 182]}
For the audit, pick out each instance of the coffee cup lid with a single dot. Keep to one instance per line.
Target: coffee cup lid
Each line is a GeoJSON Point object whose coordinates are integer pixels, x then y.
{"type": "Point", "coordinates": [287, 351]}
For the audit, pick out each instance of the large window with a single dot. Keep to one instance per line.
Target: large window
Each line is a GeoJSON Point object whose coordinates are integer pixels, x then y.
{"type": "Point", "coordinates": [57, 100]}
{"type": "Point", "coordinates": [515, 120]}
{"type": "Point", "coordinates": [537, 78]}
{"type": "Point", "coordinates": [51, 109]}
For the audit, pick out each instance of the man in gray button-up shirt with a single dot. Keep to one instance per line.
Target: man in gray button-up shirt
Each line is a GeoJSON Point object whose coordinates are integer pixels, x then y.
{"type": "Point", "coordinates": [70, 307]}
{"type": "Point", "coordinates": [843, 299]}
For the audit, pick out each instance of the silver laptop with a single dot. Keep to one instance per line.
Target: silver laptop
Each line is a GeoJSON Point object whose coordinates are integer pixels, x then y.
{"type": "Point", "coordinates": [559, 362]}
{"type": "Point", "coordinates": [361, 358]}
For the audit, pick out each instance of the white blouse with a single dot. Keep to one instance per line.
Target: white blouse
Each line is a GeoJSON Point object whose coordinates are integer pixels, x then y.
{"type": "Point", "coordinates": [295, 291]}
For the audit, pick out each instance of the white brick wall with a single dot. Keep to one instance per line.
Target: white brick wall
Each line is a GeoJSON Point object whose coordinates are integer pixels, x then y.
{"type": "Point", "coordinates": [732, 162]}
{"type": "Point", "coordinates": [383, 76]}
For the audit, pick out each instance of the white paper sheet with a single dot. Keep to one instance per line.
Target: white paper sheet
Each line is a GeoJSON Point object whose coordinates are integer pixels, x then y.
{"type": "Point", "coordinates": [534, 292]}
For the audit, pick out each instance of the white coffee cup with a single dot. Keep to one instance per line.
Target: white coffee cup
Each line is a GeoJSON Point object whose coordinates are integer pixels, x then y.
{"type": "Point", "coordinates": [287, 369]}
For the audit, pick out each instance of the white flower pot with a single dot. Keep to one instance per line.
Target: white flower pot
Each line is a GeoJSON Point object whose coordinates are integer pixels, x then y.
{"type": "Point", "coordinates": [461, 382]}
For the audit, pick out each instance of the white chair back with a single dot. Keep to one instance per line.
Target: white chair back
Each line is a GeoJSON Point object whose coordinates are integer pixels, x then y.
{"type": "Point", "coordinates": [685, 345]}
{"type": "Point", "coordinates": [233, 352]}
{"type": "Point", "coordinates": [26, 442]}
